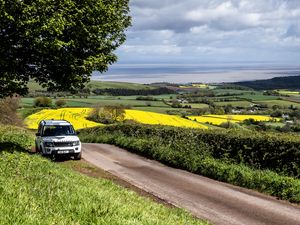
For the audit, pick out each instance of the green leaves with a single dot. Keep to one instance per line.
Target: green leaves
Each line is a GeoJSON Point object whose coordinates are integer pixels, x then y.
{"type": "Point", "coordinates": [58, 43]}
{"type": "Point", "coordinates": [258, 161]}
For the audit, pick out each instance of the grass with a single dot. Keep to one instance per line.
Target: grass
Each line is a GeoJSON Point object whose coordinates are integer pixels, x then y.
{"type": "Point", "coordinates": [281, 103]}
{"type": "Point", "coordinates": [243, 104]}
{"type": "Point", "coordinates": [198, 106]}
{"type": "Point", "coordinates": [35, 190]}
{"type": "Point", "coordinates": [117, 85]}
{"type": "Point", "coordinates": [117, 102]}
{"type": "Point", "coordinates": [231, 91]}
{"type": "Point", "coordinates": [258, 97]}
{"type": "Point", "coordinates": [48, 193]}
{"type": "Point", "coordinates": [27, 102]}
{"type": "Point", "coordinates": [100, 100]}
{"type": "Point", "coordinates": [33, 86]}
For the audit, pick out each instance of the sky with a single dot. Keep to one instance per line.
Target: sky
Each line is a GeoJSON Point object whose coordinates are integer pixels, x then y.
{"type": "Point", "coordinates": [210, 31]}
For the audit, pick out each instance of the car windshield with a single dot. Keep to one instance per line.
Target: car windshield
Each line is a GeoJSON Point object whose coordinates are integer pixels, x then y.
{"type": "Point", "coordinates": [58, 130]}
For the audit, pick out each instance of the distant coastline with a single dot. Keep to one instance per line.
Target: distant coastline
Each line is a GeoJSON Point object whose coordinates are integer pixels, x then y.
{"type": "Point", "coordinates": [207, 73]}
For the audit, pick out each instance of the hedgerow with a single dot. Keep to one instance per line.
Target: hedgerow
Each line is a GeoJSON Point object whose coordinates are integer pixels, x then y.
{"type": "Point", "coordinates": [258, 161]}
{"type": "Point", "coordinates": [15, 138]}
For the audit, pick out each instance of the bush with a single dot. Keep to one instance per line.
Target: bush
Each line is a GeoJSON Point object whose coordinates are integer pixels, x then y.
{"type": "Point", "coordinates": [42, 102]}
{"type": "Point", "coordinates": [8, 111]}
{"type": "Point", "coordinates": [60, 102]}
{"type": "Point", "coordinates": [254, 160]}
{"type": "Point", "coordinates": [107, 114]}
{"type": "Point", "coordinates": [15, 139]}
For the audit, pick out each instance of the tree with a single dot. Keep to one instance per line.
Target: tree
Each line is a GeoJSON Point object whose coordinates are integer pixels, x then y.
{"type": "Point", "coordinates": [60, 102]}
{"type": "Point", "coordinates": [108, 114]}
{"type": "Point", "coordinates": [42, 102]}
{"type": "Point", "coordinates": [58, 43]}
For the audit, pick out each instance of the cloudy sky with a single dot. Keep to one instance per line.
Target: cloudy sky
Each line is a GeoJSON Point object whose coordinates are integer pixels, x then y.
{"type": "Point", "coordinates": [205, 31]}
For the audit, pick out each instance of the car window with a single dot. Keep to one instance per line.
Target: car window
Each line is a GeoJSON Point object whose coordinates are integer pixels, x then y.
{"type": "Point", "coordinates": [58, 130]}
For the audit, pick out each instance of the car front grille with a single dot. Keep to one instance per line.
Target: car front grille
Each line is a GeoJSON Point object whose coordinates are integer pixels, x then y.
{"type": "Point", "coordinates": [63, 144]}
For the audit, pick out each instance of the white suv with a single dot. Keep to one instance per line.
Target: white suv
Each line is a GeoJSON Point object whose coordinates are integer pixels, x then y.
{"type": "Point", "coordinates": [57, 137]}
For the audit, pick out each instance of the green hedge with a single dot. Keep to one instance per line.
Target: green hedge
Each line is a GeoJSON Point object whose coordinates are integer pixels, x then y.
{"type": "Point", "coordinates": [279, 153]}
{"type": "Point", "coordinates": [193, 150]}
{"type": "Point", "coordinates": [15, 138]}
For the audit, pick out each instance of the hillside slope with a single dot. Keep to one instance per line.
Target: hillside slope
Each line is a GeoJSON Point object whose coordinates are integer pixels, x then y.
{"type": "Point", "coordinates": [35, 190]}
{"type": "Point", "coordinates": [292, 82]}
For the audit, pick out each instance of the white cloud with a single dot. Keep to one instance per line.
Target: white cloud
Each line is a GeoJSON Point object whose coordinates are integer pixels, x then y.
{"type": "Point", "coordinates": [237, 29]}
{"type": "Point", "coordinates": [165, 49]}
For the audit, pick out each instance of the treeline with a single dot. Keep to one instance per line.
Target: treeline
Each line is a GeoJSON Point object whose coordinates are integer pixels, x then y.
{"type": "Point", "coordinates": [261, 161]}
{"type": "Point", "coordinates": [292, 82]}
{"type": "Point", "coordinates": [235, 86]}
{"type": "Point", "coordinates": [130, 92]}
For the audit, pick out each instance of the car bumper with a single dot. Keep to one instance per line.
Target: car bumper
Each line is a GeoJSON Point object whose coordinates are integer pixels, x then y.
{"type": "Point", "coordinates": [62, 150]}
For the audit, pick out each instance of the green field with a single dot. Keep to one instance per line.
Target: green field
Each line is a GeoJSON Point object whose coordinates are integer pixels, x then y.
{"type": "Point", "coordinates": [133, 97]}
{"type": "Point", "coordinates": [244, 104]}
{"type": "Point", "coordinates": [231, 91]}
{"type": "Point", "coordinates": [33, 86]}
{"type": "Point", "coordinates": [116, 85]}
{"type": "Point", "coordinates": [198, 106]}
{"type": "Point", "coordinates": [37, 191]}
{"type": "Point", "coordinates": [258, 97]}
{"type": "Point", "coordinates": [281, 103]}
{"type": "Point", "coordinates": [104, 100]}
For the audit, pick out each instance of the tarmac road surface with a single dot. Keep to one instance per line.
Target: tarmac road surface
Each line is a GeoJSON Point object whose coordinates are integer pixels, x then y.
{"type": "Point", "coordinates": [217, 202]}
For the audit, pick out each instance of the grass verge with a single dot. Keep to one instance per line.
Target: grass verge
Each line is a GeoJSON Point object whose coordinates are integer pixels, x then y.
{"type": "Point", "coordinates": [35, 190]}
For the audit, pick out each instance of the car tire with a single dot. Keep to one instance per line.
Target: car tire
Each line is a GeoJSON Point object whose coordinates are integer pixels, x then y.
{"type": "Point", "coordinates": [77, 156]}
{"type": "Point", "coordinates": [37, 150]}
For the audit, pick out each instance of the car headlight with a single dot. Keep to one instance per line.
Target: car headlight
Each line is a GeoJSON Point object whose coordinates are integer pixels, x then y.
{"type": "Point", "coordinates": [49, 144]}
{"type": "Point", "coordinates": [75, 143]}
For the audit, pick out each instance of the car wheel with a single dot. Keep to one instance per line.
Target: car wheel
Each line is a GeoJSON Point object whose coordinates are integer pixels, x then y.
{"type": "Point", "coordinates": [77, 156]}
{"type": "Point", "coordinates": [36, 149]}
{"type": "Point", "coordinates": [41, 151]}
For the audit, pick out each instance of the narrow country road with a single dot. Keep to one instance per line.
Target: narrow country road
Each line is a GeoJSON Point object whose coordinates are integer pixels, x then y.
{"type": "Point", "coordinates": [214, 201]}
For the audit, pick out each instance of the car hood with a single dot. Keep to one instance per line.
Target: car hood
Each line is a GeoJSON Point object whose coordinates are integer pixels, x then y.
{"type": "Point", "coordinates": [60, 138]}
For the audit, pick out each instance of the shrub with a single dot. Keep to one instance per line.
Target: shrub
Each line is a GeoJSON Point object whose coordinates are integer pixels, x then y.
{"type": "Point", "coordinates": [42, 102]}
{"type": "Point", "coordinates": [60, 102]}
{"type": "Point", "coordinates": [8, 111]}
{"type": "Point", "coordinates": [237, 158]}
{"type": "Point", "coordinates": [15, 138]}
{"type": "Point", "coordinates": [107, 114]}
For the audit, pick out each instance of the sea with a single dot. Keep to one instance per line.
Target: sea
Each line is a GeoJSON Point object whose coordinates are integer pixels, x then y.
{"type": "Point", "coordinates": [192, 73]}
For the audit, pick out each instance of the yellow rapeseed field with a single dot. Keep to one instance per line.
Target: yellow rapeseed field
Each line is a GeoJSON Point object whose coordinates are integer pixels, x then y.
{"type": "Point", "coordinates": [244, 117]}
{"type": "Point", "coordinates": [287, 92]}
{"type": "Point", "coordinates": [161, 119]}
{"type": "Point", "coordinates": [214, 121]}
{"type": "Point", "coordinates": [76, 116]}
{"type": "Point", "coordinates": [219, 119]}
{"type": "Point", "coordinates": [201, 86]}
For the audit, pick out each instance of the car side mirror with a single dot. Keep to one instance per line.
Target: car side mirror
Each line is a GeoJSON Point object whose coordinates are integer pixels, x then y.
{"type": "Point", "coordinates": [37, 134]}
